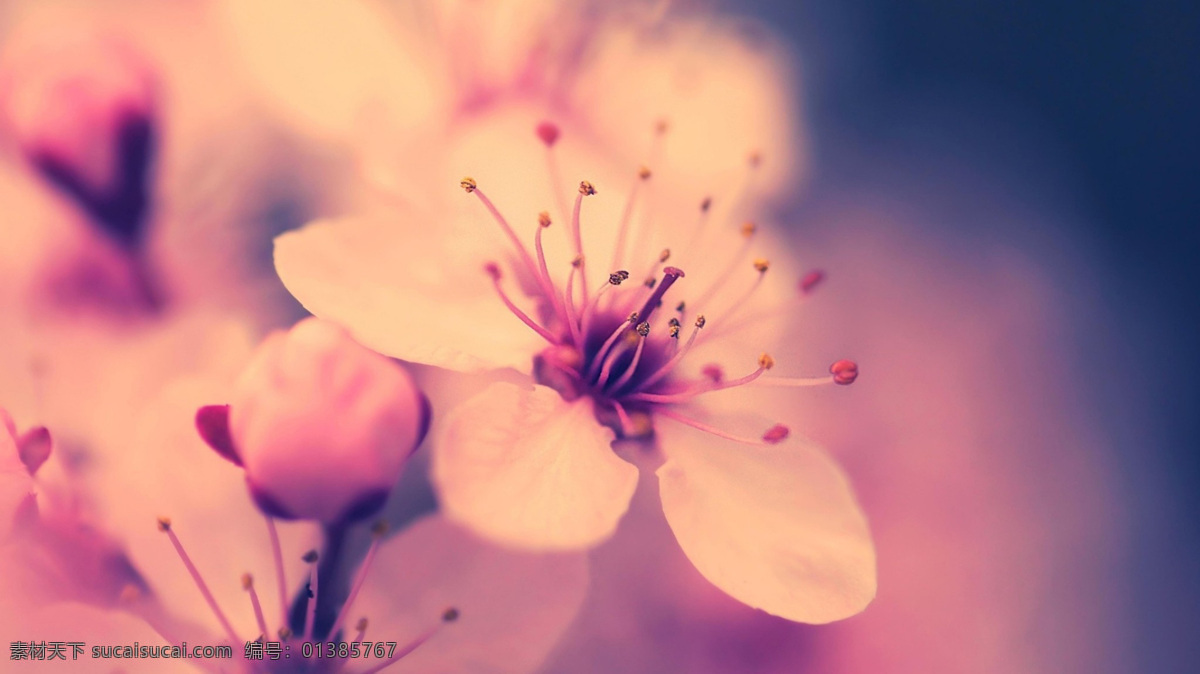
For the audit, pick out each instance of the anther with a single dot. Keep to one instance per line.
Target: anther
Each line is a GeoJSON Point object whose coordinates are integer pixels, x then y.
{"type": "Point", "coordinates": [674, 332]}
{"type": "Point", "coordinates": [661, 126]}
{"type": "Point", "coordinates": [361, 625]}
{"type": "Point", "coordinates": [379, 528]}
{"type": "Point", "coordinates": [544, 219]}
{"type": "Point", "coordinates": [664, 255]}
{"type": "Point", "coordinates": [761, 265]}
{"type": "Point", "coordinates": [811, 280]}
{"type": "Point", "coordinates": [748, 229]}
{"type": "Point", "coordinates": [766, 362]}
{"type": "Point", "coordinates": [713, 372]}
{"type": "Point", "coordinates": [311, 556]}
{"type": "Point", "coordinates": [754, 159]}
{"type": "Point", "coordinates": [618, 277]}
{"type": "Point", "coordinates": [247, 581]}
{"type": "Point", "coordinates": [468, 184]}
{"type": "Point", "coordinates": [643, 329]}
{"type": "Point", "coordinates": [577, 262]}
{"type": "Point", "coordinates": [586, 189]}
{"type": "Point", "coordinates": [700, 321]}
{"type": "Point", "coordinates": [450, 615]}
{"type": "Point", "coordinates": [548, 132]}
{"type": "Point", "coordinates": [633, 317]}
{"type": "Point", "coordinates": [493, 270]}
{"type": "Point", "coordinates": [844, 372]}
{"type": "Point", "coordinates": [650, 282]}
{"type": "Point", "coordinates": [705, 204]}
{"type": "Point", "coordinates": [680, 307]}
{"type": "Point", "coordinates": [776, 434]}
{"type": "Point", "coordinates": [164, 524]}
{"type": "Point", "coordinates": [674, 322]}
{"type": "Point", "coordinates": [644, 172]}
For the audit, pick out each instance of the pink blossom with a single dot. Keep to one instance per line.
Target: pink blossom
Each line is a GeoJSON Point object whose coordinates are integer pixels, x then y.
{"type": "Point", "coordinates": [604, 354]}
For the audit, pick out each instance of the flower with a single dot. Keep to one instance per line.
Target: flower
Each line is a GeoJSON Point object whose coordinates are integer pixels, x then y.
{"type": "Point", "coordinates": [532, 461]}
{"type": "Point", "coordinates": [322, 425]}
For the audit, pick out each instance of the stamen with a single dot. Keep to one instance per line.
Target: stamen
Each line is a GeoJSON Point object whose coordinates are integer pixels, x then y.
{"type": "Point", "coordinates": [585, 190]}
{"type": "Point", "coordinates": [626, 216]}
{"type": "Point", "coordinates": [362, 630]}
{"type": "Point", "coordinates": [543, 132]}
{"type": "Point", "coordinates": [670, 275]}
{"type": "Point", "coordinates": [644, 333]}
{"type": "Point", "coordinates": [748, 231]}
{"type": "Point", "coordinates": [632, 320]}
{"type": "Point", "coordinates": [471, 188]}
{"type": "Point", "coordinates": [761, 266]}
{"type": "Point", "coordinates": [772, 436]}
{"type": "Point", "coordinates": [614, 279]}
{"type": "Point", "coordinates": [311, 614]}
{"type": "Point", "coordinates": [544, 271]}
{"type": "Point", "coordinates": [573, 321]}
{"type": "Point", "coordinates": [277, 553]}
{"type": "Point", "coordinates": [248, 585]}
{"type": "Point", "coordinates": [611, 359]}
{"type": "Point", "coordinates": [493, 270]}
{"type": "Point", "coordinates": [449, 616]}
{"type": "Point", "coordinates": [377, 533]}
{"type": "Point", "coordinates": [667, 366]}
{"type": "Point", "coordinates": [765, 362]}
{"type": "Point", "coordinates": [164, 525]}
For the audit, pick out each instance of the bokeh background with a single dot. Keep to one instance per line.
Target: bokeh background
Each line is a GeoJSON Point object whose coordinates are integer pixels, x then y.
{"type": "Point", "coordinates": [1002, 193]}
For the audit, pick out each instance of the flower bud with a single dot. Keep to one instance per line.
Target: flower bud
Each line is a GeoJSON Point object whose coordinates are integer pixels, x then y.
{"type": "Point", "coordinates": [322, 425]}
{"type": "Point", "coordinates": [81, 109]}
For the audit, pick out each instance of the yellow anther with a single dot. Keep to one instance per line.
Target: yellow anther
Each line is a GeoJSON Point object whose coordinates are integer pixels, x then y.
{"type": "Point", "coordinates": [544, 219]}
{"type": "Point", "coordinates": [766, 362]}
{"type": "Point", "coordinates": [644, 172]}
{"type": "Point", "coordinates": [586, 189]}
{"type": "Point", "coordinates": [762, 265]}
{"type": "Point", "coordinates": [748, 229]}
{"type": "Point", "coordinates": [468, 184]}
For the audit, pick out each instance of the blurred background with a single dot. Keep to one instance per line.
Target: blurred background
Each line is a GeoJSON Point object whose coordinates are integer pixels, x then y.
{"type": "Point", "coordinates": [1001, 193]}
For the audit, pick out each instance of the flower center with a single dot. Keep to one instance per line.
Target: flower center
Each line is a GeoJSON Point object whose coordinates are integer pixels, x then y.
{"type": "Point", "coordinates": [619, 346]}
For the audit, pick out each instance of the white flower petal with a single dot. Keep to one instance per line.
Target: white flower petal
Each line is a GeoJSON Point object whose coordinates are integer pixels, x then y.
{"type": "Point", "coordinates": [409, 296]}
{"type": "Point", "coordinates": [525, 467]}
{"type": "Point", "coordinates": [513, 606]}
{"type": "Point", "coordinates": [777, 527]}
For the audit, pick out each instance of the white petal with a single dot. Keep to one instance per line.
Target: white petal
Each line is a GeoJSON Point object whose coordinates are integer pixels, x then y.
{"type": "Point", "coordinates": [525, 467]}
{"type": "Point", "coordinates": [513, 606]}
{"type": "Point", "coordinates": [776, 527]}
{"type": "Point", "coordinates": [404, 293]}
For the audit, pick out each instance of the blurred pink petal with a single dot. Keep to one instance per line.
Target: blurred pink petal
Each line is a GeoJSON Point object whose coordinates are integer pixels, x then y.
{"type": "Point", "coordinates": [528, 468]}
{"type": "Point", "coordinates": [512, 606]}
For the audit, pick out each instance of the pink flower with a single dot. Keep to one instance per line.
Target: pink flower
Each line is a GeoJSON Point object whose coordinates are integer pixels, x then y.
{"type": "Point", "coordinates": [322, 425]}
{"type": "Point", "coordinates": [605, 354]}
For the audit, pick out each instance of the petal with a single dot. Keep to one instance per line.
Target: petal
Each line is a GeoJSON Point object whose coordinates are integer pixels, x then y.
{"type": "Point", "coordinates": [403, 294]}
{"type": "Point", "coordinates": [525, 467]}
{"type": "Point", "coordinates": [776, 527]}
{"type": "Point", "coordinates": [513, 606]}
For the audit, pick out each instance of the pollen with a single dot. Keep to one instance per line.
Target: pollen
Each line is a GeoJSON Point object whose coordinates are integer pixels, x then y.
{"type": "Point", "coordinates": [748, 229]}
{"type": "Point", "coordinates": [468, 183]}
{"type": "Point", "coordinates": [643, 329]}
{"type": "Point", "coordinates": [766, 362]}
{"type": "Point", "coordinates": [543, 219]}
{"type": "Point", "coordinates": [700, 321]}
{"type": "Point", "coordinates": [618, 277]}
{"type": "Point", "coordinates": [586, 189]}
{"type": "Point", "coordinates": [776, 434]}
{"type": "Point", "coordinates": [644, 172]}
{"type": "Point", "coordinates": [633, 317]}
{"type": "Point", "coordinates": [762, 265]}
{"type": "Point", "coordinates": [844, 372]}
{"type": "Point", "coordinates": [674, 331]}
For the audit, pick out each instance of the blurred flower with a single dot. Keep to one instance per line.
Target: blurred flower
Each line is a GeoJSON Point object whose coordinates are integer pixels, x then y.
{"type": "Point", "coordinates": [322, 425]}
